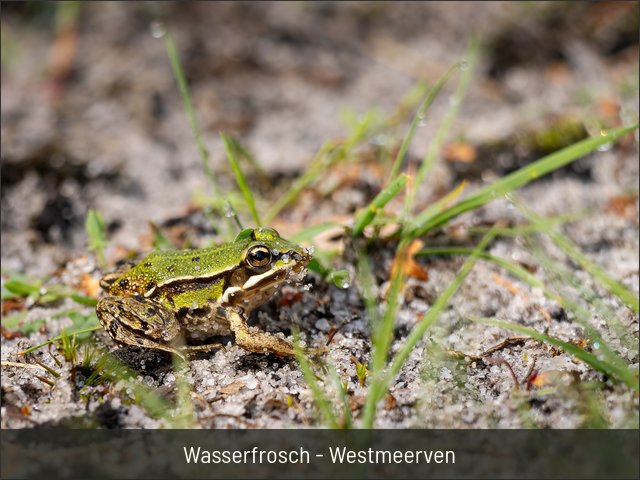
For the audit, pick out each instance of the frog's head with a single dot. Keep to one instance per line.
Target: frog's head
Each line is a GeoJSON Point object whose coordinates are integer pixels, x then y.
{"type": "Point", "coordinates": [267, 261]}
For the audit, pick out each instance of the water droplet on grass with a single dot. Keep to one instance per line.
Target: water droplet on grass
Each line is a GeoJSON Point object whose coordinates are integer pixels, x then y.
{"type": "Point", "coordinates": [340, 278]}
{"type": "Point", "coordinates": [158, 29]}
{"type": "Point", "coordinates": [228, 211]}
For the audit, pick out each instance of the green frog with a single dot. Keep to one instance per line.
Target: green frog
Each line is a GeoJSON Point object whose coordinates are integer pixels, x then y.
{"type": "Point", "coordinates": [172, 298]}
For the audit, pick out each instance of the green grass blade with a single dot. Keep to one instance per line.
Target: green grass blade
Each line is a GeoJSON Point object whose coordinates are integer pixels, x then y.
{"type": "Point", "coordinates": [378, 388]}
{"type": "Point", "coordinates": [95, 227]}
{"type": "Point", "coordinates": [347, 418]}
{"type": "Point", "coordinates": [185, 415]}
{"type": "Point", "coordinates": [383, 335]}
{"type": "Point", "coordinates": [564, 281]}
{"type": "Point", "coordinates": [421, 112]}
{"type": "Point", "coordinates": [366, 283]}
{"type": "Point", "coordinates": [571, 249]}
{"type": "Point", "coordinates": [429, 220]}
{"type": "Point", "coordinates": [515, 270]}
{"type": "Point", "coordinates": [443, 203]}
{"type": "Point", "coordinates": [240, 178]}
{"type": "Point", "coordinates": [625, 375]}
{"type": "Point", "coordinates": [445, 127]}
{"type": "Point", "coordinates": [60, 337]}
{"type": "Point", "coordinates": [378, 203]}
{"type": "Point", "coordinates": [309, 233]}
{"type": "Point", "coordinates": [321, 400]}
{"type": "Point", "coordinates": [528, 229]}
{"type": "Point", "coordinates": [330, 153]}
{"type": "Point", "coordinates": [181, 80]}
{"type": "Point", "coordinates": [248, 156]}
{"type": "Point", "coordinates": [326, 156]}
{"type": "Point", "coordinates": [110, 368]}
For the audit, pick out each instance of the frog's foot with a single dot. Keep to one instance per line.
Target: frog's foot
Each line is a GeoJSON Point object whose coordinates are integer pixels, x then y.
{"type": "Point", "coordinates": [258, 342]}
{"type": "Point", "coordinates": [140, 322]}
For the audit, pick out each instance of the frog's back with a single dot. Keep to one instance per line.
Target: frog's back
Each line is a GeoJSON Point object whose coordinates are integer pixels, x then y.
{"type": "Point", "coordinates": [166, 266]}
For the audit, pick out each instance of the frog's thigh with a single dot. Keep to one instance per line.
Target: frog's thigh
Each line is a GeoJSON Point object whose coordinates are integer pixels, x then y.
{"type": "Point", "coordinates": [139, 321]}
{"type": "Point", "coordinates": [258, 342]}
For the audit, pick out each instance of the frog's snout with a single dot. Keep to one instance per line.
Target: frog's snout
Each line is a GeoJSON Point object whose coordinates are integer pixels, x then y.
{"type": "Point", "coordinates": [302, 256]}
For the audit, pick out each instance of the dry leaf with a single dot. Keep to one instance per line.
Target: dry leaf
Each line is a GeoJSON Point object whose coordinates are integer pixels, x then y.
{"type": "Point", "coordinates": [89, 285]}
{"type": "Point", "coordinates": [356, 402]}
{"type": "Point", "coordinates": [11, 305]}
{"type": "Point", "coordinates": [581, 343]}
{"type": "Point", "coordinates": [10, 335]}
{"type": "Point", "coordinates": [390, 401]}
{"type": "Point", "coordinates": [289, 297]}
{"type": "Point", "coordinates": [609, 108]}
{"type": "Point", "coordinates": [460, 152]}
{"type": "Point", "coordinates": [552, 377]}
{"type": "Point", "coordinates": [506, 284]}
{"type": "Point", "coordinates": [408, 264]}
{"type": "Point", "coordinates": [623, 205]}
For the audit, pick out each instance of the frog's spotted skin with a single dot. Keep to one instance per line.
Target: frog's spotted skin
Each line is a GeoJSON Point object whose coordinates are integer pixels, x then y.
{"type": "Point", "coordinates": [172, 297]}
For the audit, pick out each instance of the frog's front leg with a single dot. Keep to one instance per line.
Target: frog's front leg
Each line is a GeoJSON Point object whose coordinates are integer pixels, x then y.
{"type": "Point", "coordinates": [140, 322]}
{"type": "Point", "coordinates": [258, 342]}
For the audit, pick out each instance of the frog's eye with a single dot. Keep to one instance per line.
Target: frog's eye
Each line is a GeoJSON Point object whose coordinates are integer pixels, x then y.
{"type": "Point", "coordinates": [258, 256]}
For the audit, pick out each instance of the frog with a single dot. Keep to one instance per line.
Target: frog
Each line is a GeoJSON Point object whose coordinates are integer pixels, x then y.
{"type": "Point", "coordinates": [172, 299]}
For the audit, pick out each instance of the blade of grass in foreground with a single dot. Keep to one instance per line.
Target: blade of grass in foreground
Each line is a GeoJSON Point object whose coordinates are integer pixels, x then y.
{"type": "Point", "coordinates": [528, 229]}
{"type": "Point", "coordinates": [429, 220]}
{"type": "Point", "coordinates": [571, 249]}
{"type": "Point", "coordinates": [347, 421]}
{"type": "Point", "coordinates": [240, 178]}
{"type": "Point", "coordinates": [625, 375]}
{"type": "Point", "coordinates": [383, 332]}
{"type": "Point", "coordinates": [378, 203]}
{"type": "Point", "coordinates": [380, 383]}
{"type": "Point", "coordinates": [510, 267]}
{"type": "Point", "coordinates": [321, 400]}
{"type": "Point", "coordinates": [581, 315]}
{"type": "Point", "coordinates": [567, 287]}
{"type": "Point", "coordinates": [147, 397]}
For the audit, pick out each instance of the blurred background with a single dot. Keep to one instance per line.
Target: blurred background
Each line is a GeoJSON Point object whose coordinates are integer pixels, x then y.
{"type": "Point", "coordinates": [91, 116]}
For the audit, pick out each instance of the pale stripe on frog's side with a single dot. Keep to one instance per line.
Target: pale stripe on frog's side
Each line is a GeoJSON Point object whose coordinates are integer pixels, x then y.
{"type": "Point", "coordinates": [172, 281]}
{"type": "Point", "coordinates": [162, 315]}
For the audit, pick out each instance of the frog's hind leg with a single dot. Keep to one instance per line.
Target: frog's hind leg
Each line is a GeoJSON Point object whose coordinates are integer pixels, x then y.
{"type": "Point", "coordinates": [258, 342]}
{"type": "Point", "coordinates": [140, 322]}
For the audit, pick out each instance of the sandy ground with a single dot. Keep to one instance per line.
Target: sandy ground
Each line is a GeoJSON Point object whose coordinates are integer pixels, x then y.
{"type": "Point", "coordinates": [112, 135]}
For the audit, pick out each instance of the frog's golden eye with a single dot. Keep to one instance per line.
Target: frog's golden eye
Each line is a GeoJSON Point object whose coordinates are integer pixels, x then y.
{"type": "Point", "coordinates": [259, 256]}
